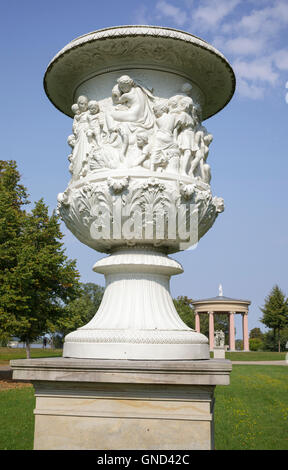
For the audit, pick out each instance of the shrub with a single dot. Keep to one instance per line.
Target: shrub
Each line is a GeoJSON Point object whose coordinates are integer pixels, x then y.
{"type": "Point", "coordinates": [255, 344]}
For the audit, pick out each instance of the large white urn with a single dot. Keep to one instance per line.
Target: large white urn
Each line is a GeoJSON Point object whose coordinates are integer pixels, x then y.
{"type": "Point", "coordinates": [140, 181]}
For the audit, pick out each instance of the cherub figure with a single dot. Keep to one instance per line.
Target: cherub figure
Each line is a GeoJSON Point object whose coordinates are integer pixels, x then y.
{"type": "Point", "coordinates": [202, 141]}
{"type": "Point", "coordinates": [76, 111]}
{"type": "Point", "coordinates": [116, 94]}
{"type": "Point", "coordinates": [164, 134]}
{"type": "Point", "coordinates": [81, 146]}
{"type": "Point", "coordinates": [136, 111]}
{"type": "Point", "coordinates": [204, 167]}
{"type": "Point", "coordinates": [94, 123]}
{"type": "Point", "coordinates": [71, 142]}
{"type": "Point", "coordinates": [142, 152]}
{"type": "Point", "coordinates": [186, 134]}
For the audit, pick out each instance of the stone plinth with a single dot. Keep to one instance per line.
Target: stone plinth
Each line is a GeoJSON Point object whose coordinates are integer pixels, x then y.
{"type": "Point", "coordinates": [219, 352]}
{"type": "Point", "coordinates": [123, 404]}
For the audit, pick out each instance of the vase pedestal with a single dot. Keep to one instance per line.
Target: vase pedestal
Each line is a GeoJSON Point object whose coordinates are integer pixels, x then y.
{"type": "Point", "coordinates": [84, 404]}
{"type": "Point", "coordinates": [137, 318]}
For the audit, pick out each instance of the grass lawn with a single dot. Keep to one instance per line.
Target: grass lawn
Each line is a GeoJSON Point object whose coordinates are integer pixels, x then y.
{"type": "Point", "coordinates": [250, 413]}
{"type": "Point", "coordinates": [8, 354]}
{"type": "Point", "coordinates": [255, 356]}
{"type": "Point", "coordinates": [16, 418]}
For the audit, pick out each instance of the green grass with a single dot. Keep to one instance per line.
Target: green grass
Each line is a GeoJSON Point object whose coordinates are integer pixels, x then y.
{"type": "Point", "coordinates": [254, 356]}
{"type": "Point", "coordinates": [17, 419]}
{"type": "Point", "coordinates": [8, 354]}
{"type": "Point", "coordinates": [250, 413]}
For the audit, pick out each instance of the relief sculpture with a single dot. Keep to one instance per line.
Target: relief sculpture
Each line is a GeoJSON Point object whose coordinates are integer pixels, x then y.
{"type": "Point", "coordinates": [130, 141]}
{"type": "Point", "coordinates": [139, 130]}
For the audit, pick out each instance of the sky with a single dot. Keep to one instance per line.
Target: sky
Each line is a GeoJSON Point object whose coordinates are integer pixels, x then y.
{"type": "Point", "coordinates": [246, 249]}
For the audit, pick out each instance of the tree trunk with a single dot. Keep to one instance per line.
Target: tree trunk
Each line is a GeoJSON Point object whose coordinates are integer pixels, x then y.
{"type": "Point", "coordinates": [274, 339]}
{"type": "Point", "coordinates": [27, 350]}
{"type": "Point", "coordinates": [279, 341]}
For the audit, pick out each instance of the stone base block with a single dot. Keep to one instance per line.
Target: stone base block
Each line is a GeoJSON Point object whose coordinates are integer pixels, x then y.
{"type": "Point", "coordinates": [123, 405]}
{"type": "Point", "coordinates": [219, 352]}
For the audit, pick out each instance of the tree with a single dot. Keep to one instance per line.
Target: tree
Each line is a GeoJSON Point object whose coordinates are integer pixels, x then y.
{"type": "Point", "coordinates": [256, 333]}
{"type": "Point", "coordinates": [255, 344]}
{"type": "Point", "coordinates": [270, 342]}
{"type": "Point", "coordinates": [275, 313]}
{"type": "Point", "coordinates": [79, 311]}
{"type": "Point", "coordinates": [37, 279]}
{"type": "Point", "coordinates": [13, 196]}
{"type": "Point", "coordinates": [239, 344]}
{"type": "Point", "coordinates": [256, 339]}
{"type": "Point", "coordinates": [185, 310]}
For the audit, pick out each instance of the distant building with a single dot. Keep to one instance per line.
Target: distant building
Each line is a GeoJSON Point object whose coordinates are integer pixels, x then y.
{"type": "Point", "coordinates": [13, 342]}
{"type": "Point", "coordinates": [223, 305]}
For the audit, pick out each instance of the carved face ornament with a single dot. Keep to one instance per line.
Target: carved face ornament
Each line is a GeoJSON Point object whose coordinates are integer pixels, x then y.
{"type": "Point", "coordinates": [93, 107]}
{"type": "Point", "coordinates": [125, 83]}
{"type": "Point", "coordinates": [82, 103]}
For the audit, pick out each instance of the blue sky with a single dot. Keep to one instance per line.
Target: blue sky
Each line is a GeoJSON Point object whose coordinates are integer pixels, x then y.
{"type": "Point", "coordinates": [246, 249]}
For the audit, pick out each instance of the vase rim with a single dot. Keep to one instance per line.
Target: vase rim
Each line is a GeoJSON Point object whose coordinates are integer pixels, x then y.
{"type": "Point", "coordinates": [140, 46]}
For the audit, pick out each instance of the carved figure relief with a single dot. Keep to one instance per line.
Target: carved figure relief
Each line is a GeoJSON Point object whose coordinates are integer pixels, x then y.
{"type": "Point", "coordinates": [138, 129]}
{"type": "Point", "coordinates": [163, 141]}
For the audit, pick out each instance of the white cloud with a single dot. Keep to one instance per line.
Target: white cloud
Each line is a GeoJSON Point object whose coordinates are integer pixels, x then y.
{"type": "Point", "coordinates": [281, 11]}
{"type": "Point", "coordinates": [250, 33]}
{"type": "Point", "coordinates": [258, 20]}
{"type": "Point", "coordinates": [174, 13]}
{"type": "Point", "coordinates": [250, 90]}
{"type": "Point", "coordinates": [280, 59]}
{"type": "Point", "coordinates": [140, 15]}
{"type": "Point", "coordinates": [286, 96]}
{"type": "Point", "coordinates": [211, 12]}
{"type": "Point", "coordinates": [241, 45]}
{"type": "Point", "coordinates": [264, 21]}
{"type": "Point", "coordinates": [258, 69]}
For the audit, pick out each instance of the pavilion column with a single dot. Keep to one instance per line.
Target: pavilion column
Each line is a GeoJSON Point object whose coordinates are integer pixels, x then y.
{"type": "Point", "coordinates": [197, 322]}
{"type": "Point", "coordinates": [231, 332]}
{"type": "Point", "coordinates": [211, 330]}
{"type": "Point", "coordinates": [245, 331]}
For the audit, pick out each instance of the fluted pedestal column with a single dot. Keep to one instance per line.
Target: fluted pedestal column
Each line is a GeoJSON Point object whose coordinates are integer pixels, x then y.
{"type": "Point", "coordinates": [137, 318]}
